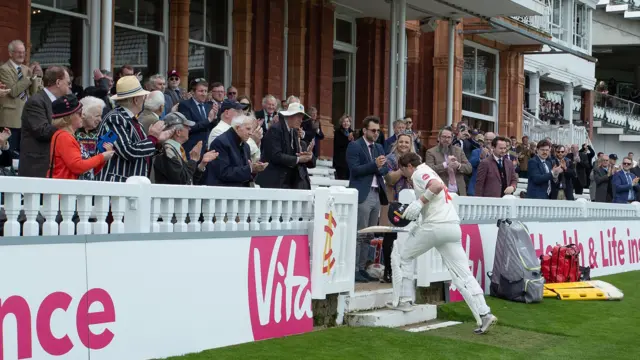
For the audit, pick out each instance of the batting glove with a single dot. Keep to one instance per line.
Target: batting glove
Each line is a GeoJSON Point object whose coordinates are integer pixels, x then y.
{"type": "Point", "coordinates": [413, 210]}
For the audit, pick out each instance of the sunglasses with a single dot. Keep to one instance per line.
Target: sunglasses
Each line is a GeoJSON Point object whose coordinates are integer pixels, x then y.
{"type": "Point", "coordinates": [174, 78]}
{"type": "Point", "coordinates": [232, 93]}
{"type": "Point", "coordinates": [626, 163]}
{"type": "Point", "coordinates": [375, 131]}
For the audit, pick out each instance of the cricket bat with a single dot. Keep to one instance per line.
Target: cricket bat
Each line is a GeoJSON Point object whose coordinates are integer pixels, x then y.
{"type": "Point", "coordinates": [382, 229]}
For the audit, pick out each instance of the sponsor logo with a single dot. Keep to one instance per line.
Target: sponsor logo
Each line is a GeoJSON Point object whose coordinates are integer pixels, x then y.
{"type": "Point", "coordinates": [279, 286]}
{"type": "Point", "coordinates": [472, 244]}
{"type": "Point", "coordinates": [58, 343]}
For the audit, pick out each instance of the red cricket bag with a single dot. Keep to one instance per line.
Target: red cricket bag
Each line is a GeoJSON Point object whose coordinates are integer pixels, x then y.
{"type": "Point", "coordinates": [561, 265]}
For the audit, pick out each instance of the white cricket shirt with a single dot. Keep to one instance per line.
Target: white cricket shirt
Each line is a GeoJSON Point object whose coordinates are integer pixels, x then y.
{"type": "Point", "coordinates": [440, 209]}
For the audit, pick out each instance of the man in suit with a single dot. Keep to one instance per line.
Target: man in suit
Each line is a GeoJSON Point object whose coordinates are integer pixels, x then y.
{"type": "Point", "coordinates": [173, 87]}
{"type": "Point", "coordinates": [201, 113]}
{"type": "Point", "coordinates": [36, 128]}
{"type": "Point", "coordinates": [313, 130]}
{"type": "Point", "coordinates": [477, 156]}
{"type": "Point", "coordinates": [229, 110]}
{"type": "Point", "coordinates": [581, 161]}
{"type": "Point", "coordinates": [562, 189]}
{"type": "Point", "coordinates": [157, 82]}
{"type": "Point", "coordinates": [541, 172]}
{"type": "Point", "coordinates": [625, 183]}
{"type": "Point", "coordinates": [153, 108]}
{"type": "Point", "coordinates": [23, 81]}
{"type": "Point", "coordinates": [367, 167]}
{"type": "Point", "coordinates": [268, 112]}
{"type": "Point", "coordinates": [399, 126]}
{"type": "Point", "coordinates": [233, 166]}
{"type": "Point", "coordinates": [449, 162]}
{"type": "Point", "coordinates": [284, 152]}
{"type": "Point", "coordinates": [496, 174]}
{"type": "Point", "coordinates": [602, 174]}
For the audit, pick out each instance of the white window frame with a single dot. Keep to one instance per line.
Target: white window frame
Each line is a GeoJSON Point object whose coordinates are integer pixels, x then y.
{"type": "Point", "coordinates": [86, 67]}
{"type": "Point", "coordinates": [163, 36]}
{"type": "Point", "coordinates": [227, 49]}
{"type": "Point", "coordinates": [557, 29]}
{"type": "Point", "coordinates": [351, 65]}
{"type": "Point", "coordinates": [581, 34]}
{"type": "Point", "coordinates": [495, 100]}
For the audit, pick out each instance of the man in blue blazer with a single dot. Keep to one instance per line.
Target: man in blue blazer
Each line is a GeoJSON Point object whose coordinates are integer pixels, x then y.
{"type": "Point", "coordinates": [625, 183]}
{"type": "Point", "coordinates": [199, 111]}
{"type": "Point", "coordinates": [367, 166]}
{"type": "Point", "coordinates": [541, 172]}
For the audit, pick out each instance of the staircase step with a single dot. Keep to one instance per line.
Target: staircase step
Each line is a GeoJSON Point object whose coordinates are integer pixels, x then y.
{"type": "Point", "coordinates": [392, 318]}
{"type": "Point", "coordinates": [430, 325]}
{"type": "Point", "coordinates": [597, 124]}
{"type": "Point", "coordinates": [368, 300]}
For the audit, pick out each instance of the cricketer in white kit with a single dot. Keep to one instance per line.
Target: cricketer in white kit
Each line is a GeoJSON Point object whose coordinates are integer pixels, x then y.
{"type": "Point", "coordinates": [439, 228]}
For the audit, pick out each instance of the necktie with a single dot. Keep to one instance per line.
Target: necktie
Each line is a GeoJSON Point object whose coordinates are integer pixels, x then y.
{"type": "Point", "coordinates": [500, 163]}
{"type": "Point", "coordinates": [183, 153]}
{"type": "Point", "coordinates": [202, 111]}
{"type": "Point", "coordinates": [293, 138]}
{"type": "Point", "coordinates": [22, 95]}
{"type": "Point", "coordinates": [371, 152]}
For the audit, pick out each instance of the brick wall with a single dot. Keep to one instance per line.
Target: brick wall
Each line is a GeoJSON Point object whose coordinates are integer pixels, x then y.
{"type": "Point", "coordinates": [15, 23]}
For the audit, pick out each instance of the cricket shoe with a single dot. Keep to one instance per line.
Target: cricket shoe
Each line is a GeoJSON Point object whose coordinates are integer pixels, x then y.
{"type": "Point", "coordinates": [487, 321]}
{"type": "Point", "coordinates": [404, 306]}
{"type": "Point", "coordinates": [396, 275]}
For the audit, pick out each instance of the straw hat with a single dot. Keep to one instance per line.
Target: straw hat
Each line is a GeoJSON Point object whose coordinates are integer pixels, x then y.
{"type": "Point", "coordinates": [128, 87]}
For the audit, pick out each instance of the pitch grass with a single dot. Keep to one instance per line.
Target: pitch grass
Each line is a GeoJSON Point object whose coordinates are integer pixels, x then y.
{"type": "Point", "coordinates": [553, 329]}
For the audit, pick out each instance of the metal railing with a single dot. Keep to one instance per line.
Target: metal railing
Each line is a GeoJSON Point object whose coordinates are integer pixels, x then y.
{"type": "Point", "coordinates": [538, 22]}
{"type": "Point", "coordinates": [614, 111]}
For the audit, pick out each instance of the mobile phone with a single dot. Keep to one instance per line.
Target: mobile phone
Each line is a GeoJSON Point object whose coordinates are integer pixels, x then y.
{"type": "Point", "coordinates": [109, 137]}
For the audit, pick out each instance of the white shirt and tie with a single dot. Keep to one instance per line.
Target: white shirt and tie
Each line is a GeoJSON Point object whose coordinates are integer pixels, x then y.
{"type": "Point", "coordinates": [374, 183]}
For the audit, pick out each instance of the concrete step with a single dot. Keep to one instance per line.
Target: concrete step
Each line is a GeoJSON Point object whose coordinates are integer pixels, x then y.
{"type": "Point", "coordinates": [368, 300]}
{"type": "Point", "coordinates": [392, 318]}
{"type": "Point", "coordinates": [430, 325]}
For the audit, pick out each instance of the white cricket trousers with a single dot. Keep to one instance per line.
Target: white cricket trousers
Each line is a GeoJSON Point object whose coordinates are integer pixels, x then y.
{"type": "Point", "coordinates": [446, 238]}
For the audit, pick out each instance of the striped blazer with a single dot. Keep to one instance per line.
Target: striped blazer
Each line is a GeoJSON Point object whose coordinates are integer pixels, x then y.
{"type": "Point", "coordinates": [133, 152]}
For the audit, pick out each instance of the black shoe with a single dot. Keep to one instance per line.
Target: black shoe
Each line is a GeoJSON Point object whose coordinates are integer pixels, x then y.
{"type": "Point", "coordinates": [360, 278]}
{"type": "Point", "coordinates": [367, 276]}
{"type": "Point", "coordinates": [386, 279]}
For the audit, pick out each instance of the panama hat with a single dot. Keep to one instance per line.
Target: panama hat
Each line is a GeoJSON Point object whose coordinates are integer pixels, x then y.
{"type": "Point", "coordinates": [294, 108]}
{"type": "Point", "coordinates": [128, 87]}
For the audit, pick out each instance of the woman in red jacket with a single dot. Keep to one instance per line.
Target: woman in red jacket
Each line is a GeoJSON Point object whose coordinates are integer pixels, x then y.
{"type": "Point", "coordinates": [65, 161]}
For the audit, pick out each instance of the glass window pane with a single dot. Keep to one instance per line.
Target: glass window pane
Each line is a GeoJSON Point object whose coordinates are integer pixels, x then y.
{"type": "Point", "coordinates": [43, 2]}
{"type": "Point", "coordinates": [339, 67]}
{"type": "Point", "coordinates": [56, 40]}
{"type": "Point", "coordinates": [477, 105]}
{"type": "Point", "coordinates": [339, 100]}
{"type": "Point", "coordinates": [133, 48]}
{"type": "Point", "coordinates": [206, 62]}
{"type": "Point", "coordinates": [485, 83]}
{"type": "Point", "coordinates": [125, 12]}
{"type": "Point", "coordinates": [469, 71]}
{"type": "Point", "coordinates": [196, 20]}
{"type": "Point", "coordinates": [79, 6]}
{"type": "Point", "coordinates": [217, 22]}
{"type": "Point", "coordinates": [150, 14]}
{"type": "Point", "coordinates": [343, 31]}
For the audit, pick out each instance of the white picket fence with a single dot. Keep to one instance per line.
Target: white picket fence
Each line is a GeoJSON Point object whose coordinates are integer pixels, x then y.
{"type": "Point", "coordinates": [477, 210]}
{"type": "Point", "coordinates": [141, 207]}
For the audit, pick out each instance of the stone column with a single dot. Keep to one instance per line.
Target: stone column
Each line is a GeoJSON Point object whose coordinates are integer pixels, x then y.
{"type": "Point", "coordinates": [297, 46]}
{"type": "Point", "coordinates": [586, 112]}
{"type": "Point", "coordinates": [567, 99]}
{"type": "Point", "coordinates": [179, 39]}
{"type": "Point", "coordinates": [440, 68]}
{"type": "Point", "coordinates": [413, 75]}
{"type": "Point", "coordinates": [242, 37]}
{"type": "Point", "coordinates": [511, 97]}
{"type": "Point", "coordinates": [372, 70]}
{"type": "Point", "coordinates": [325, 77]}
{"type": "Point", "coordinates": [534, 93]}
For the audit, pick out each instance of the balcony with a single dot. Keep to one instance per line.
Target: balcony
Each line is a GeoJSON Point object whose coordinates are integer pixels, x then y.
{"type": "Point", "coordinates": [616, 116]}
{"type": "Point", "coordinates": [538, 130]}
{"type": "Point", "coordinates": [538, 22]}
{"type": "Point", "coordinates": [419, 9]}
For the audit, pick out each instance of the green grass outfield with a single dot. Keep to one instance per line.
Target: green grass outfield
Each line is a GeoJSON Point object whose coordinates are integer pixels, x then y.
{"type": "Point", "coordinates": [553, 329]}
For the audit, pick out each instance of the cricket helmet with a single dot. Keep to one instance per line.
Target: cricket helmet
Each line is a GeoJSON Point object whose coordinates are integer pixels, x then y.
{"type": "Point", "coordinates": [396, 210]}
